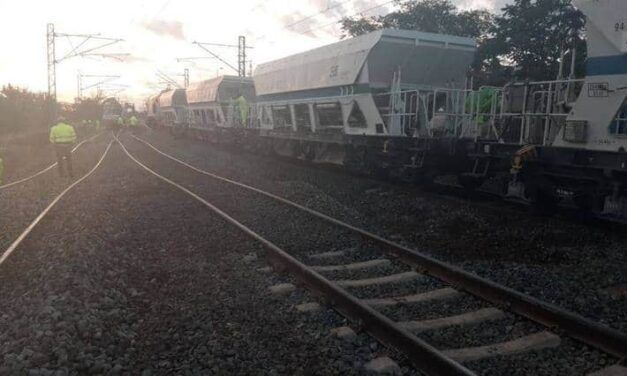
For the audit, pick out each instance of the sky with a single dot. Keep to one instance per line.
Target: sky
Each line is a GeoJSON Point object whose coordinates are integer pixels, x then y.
{"type": "Point", "coordinates": [156, 33]}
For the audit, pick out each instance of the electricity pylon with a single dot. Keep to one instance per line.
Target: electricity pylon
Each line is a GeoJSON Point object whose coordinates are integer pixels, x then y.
{"type": "Point", "coordinates": [80, 49]}
{"type": "Point", "coordinates": [241, 54]}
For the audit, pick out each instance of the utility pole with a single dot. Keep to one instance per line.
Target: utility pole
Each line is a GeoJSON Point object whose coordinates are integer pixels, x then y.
{"type": "Point", "coordinates": [79, 49]}
{"type": "Point", "coordinates": [52, 66]}
{"type": "Point", "coordinates": [241, 54]}
{"type": "Point", "coordinates": [79, 85]}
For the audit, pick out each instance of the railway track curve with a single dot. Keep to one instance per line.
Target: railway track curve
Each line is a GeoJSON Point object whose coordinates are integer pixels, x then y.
{"type": "Point", "coordinates": [18, 241]}
{"type": "Point", "coordinates": [400, 335]}
{"type": "Point", "coordinates": [41, 172]}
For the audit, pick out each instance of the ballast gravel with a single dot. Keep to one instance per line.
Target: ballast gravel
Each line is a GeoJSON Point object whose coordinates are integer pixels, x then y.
{"type": "Point", "coordinates": [538, 255]}
{"type": "Point", "coordinates": [573, 264]}
{"type": "Point", "coordinates": [128, 276]}
{"type": "Point", "coordinates": [20, 204]}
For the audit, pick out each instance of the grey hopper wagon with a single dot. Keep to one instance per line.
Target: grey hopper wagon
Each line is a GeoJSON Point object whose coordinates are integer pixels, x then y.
{"type": "Point", "coordinates": [209, 101]}
{"type": "Point", "coordinates": [172, 108]}
{"type": "Point", "coordinates": [349, 87]}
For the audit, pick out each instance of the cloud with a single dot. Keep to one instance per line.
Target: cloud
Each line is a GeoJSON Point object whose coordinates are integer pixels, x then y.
{"type": "Point", "coordinates": [298, 22]}
{"type": "Point", "coordinates": [172, 29]}
{"type": "Point", "coordinates": [135, 59]}
{"type": "Point", "coordinates": [323, 12]}
{"type": "Point", "coordinates": [330, 8]}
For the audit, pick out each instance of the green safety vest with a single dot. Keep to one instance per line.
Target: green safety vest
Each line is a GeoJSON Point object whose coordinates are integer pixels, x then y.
{"type": "Point", "coordinates": [484, 97]}
{"type": "Point", "coordinates": [133, 121]}
{"type": "Point", "coordinates": [120, 121]}
{"type": "Point", "coordinates": [62, 134]}
{"type": "Point", "coordinates": [242, 105]}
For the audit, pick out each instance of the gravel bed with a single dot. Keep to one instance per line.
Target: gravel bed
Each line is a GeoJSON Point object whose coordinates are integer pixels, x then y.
{"type": "Point", "coordinates": [24, 158]}
{"type": "Point", "coordinates": [128, 276]}
{"type": "Point", "coordinates": [20, 204]}
{"type": "Point", "coordinates": [526, 252]}
{"type": "Point", "coordinates": [302, 234]}
{"type": "Point", "coordinates": [546, 362]}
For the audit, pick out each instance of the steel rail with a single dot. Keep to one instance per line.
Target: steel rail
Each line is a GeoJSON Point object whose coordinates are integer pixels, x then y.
{"type": "Point", "coordinates": [41, 215]}
{"type": "Point", "coordinates": [24, 180]}
{"type": "Point", "coordinates": [425, 357]}
{"type": "Point", "coordinates": [553, 317]}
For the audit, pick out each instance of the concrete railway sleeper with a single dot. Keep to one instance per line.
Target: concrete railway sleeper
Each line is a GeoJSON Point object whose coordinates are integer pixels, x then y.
{"type": "Point", "coordinates": [554, 318]}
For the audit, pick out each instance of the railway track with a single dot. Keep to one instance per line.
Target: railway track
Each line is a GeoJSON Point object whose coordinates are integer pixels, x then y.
{"type": "Point", "coordinates": [362, 283]}
{"type": "Point", "coordinates": [43, 171]}
{"type": "Point", "coordinates": [18, 241]}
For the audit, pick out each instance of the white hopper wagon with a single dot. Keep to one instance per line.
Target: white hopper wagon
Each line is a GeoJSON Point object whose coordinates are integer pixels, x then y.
{"type": "Point", "coordinates": [381, 86]}
{"type": "Point", "coordinates": [172, 108]}
{"type": "Point", "coordinates": [210, 101]}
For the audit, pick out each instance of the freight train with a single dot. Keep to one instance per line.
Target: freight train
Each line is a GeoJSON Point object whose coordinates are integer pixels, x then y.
{"type": "Point", "coordinates": [398, 103]}
{"type": "Point", "coordinates": [111, 111]}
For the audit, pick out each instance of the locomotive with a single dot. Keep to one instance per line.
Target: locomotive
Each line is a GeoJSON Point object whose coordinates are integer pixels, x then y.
{"type": "Point", "coordinates": [398, 103]}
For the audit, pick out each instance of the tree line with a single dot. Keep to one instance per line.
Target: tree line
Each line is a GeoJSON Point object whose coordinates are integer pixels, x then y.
{"type": "Point", "coordinates": [524, 41]}
{"type": "Point", "coordinates": [23, 111]}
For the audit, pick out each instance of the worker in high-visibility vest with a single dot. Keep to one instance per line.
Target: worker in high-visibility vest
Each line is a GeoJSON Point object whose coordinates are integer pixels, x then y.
{"type": "Point", "coordinates": [242, 110]}
{"type": "Point", "coordinates": [63, 137]}
{"type": "Point", "coordinates": [133, 123]}
{"type": "Point", "coordinates": [120, 122]}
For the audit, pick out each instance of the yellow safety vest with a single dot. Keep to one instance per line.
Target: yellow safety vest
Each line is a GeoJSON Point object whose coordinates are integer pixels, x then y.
{"type": "Point", "coordinates": [133, 121]}
{"type": "Point", "coordinates": [242, 104]}
{"type": "Point", "coordinates": [62, 134]}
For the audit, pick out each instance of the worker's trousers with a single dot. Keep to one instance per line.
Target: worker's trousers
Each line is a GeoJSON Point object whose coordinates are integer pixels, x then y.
{"type": "Point", "coordinates": [64, 158]}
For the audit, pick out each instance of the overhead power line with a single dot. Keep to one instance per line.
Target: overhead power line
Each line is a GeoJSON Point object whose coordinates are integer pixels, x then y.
{"type": "Point", "coordinates": [339, 19]}
{"type": "Point", "coordinates": [241, 54]}
{"type": "Point", "coordinates": [101, 79]}
{"type": "Point", "coordinates": [317, 14]}
{"type": "Point", "coordinates": [81, 49]}
{"type": "Point", "coordinates": [289, 26]}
